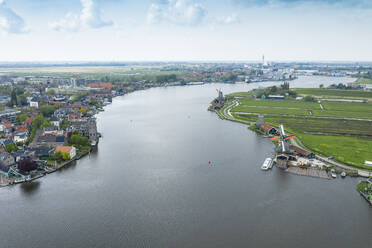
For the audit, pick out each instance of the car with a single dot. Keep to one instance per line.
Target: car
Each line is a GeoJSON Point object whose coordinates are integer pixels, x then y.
{"type": "Point", "coordinates": [331, 157]}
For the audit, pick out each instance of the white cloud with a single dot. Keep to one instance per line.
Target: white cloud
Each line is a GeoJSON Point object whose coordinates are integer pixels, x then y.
{"type": "Point", "coordinates": [179, 12]}
{"type": "Point", "coordinates": [231, 19]}
{"type": "Point", "coordinates": [90, 16]}
{"type": "Point", "coordinates": [10, 22]}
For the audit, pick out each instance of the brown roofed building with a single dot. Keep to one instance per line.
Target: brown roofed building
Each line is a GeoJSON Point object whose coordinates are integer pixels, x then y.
{"type": "Point", "coordinates": [267, 129]}
{"type": "Point", "coordinates": [67, 149]}
{"type": "Point", "coordinates": [302, 152]}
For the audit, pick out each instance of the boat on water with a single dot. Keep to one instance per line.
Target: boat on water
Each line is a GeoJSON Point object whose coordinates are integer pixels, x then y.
{"type": "Point", "coordinates": [268, 164]}
{"type": "Point", "coordinates": [333, 173]}
{"type": "Point", "coordinates": [343, 174]}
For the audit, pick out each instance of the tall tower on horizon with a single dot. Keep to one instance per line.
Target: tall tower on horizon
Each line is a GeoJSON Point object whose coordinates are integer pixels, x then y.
{"type": "Point", "coordinates": [73, 83]}
{"type": "Point", "coordinates": [264, 63]}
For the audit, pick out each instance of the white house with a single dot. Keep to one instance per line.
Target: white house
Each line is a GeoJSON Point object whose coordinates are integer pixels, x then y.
{"type": "Point", "coordinates": [68, 149]}
{"type": "Point", "coordinates": [20, 137]}
{"type": "Point", "coordinates": [55, 121]}
{"type": "Point", "coordinates": [34, 102]}
{"type": "Point", "coordinates": [2, 128]}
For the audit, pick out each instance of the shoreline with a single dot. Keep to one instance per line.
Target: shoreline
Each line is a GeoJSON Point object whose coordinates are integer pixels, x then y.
{"type": "Point", "coordinates": [225, 114]}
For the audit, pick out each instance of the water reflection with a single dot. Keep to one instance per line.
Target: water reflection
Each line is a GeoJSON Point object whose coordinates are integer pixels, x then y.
{"type": "Point", "coordinates": [69, 166]}
{"type": "Point", "coordinates": [30, 188]}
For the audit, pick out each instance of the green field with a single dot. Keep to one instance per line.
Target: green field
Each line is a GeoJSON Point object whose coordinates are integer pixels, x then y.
{"type": "Point", "coordinates": [302, 108]}
{"type": "Point", "coordinates": [349, 140]}
{"type": "Point", "coordinates": [271, 110]}
{"type": "Point", "coordinates": [327, 126]}
{"type": "Point", "coordinates": [348, 150]}
{"type": "Point", "coordinates": [334, 93]}
{"type": "Point", "coordinates": [285, 104]}
{"type": "Point", "coordinates": [365, 81]}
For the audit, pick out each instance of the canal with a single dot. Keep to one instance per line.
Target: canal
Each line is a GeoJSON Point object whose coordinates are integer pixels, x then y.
{"type": "Point", "coordinates": [149, 184]}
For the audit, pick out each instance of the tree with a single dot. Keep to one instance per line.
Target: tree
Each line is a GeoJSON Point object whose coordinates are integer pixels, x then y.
{"type": "Point", "coordinates": [321, 86]}
{"type": "Point", "coordinates": [27, 165]}
{"type": "Point", "coordinates": [51, 92]}
{"type": "Point", "coordinates": [83, 111]}
{"type": "Point", "coordinates": [61, 156]}
{"type": "Point", "coordinates": [57, 156]}
{"type": "Point", "coordinates": [65, 156]}
{"type": "Point", "coordinates": [19, 91]}
{"type": "Point", "coordinates": [13, 98]}
{"type": "Point", "coordinates": [48, 110]}
{"type": "Point", "coordinates": [79, 140]}
{"type": "Point", "coordinates": [21, 118]}
{"type": "Point", "coordinates": [309, 99]}
{"type": "Point", "coordinates": [22, 99]}
{"type": "Point", "coordinates": [37, 121]}
{"type": "Point", "coordinates": [285, 86]}
{"type": "Point", "coordinates": [273, 89]}
{"type": "Point", "coordinates": [36, 124]}
{"type": "Point", "coordinates": [46, 123]}
{"type": "Point", "coordinates": [292, 93]}
{"type": "Point", "coordinates": [64, 124]}
{"type": "Point", "coordinates": [11, 148]}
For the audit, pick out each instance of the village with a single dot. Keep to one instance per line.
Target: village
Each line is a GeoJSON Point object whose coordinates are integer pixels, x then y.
{"type": "Point", "coordinates": [48, 122]}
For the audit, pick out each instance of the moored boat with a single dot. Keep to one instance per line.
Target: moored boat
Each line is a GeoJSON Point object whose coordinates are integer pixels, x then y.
{"type": "Point", "coordinates": [268, 164]}
{"type": "Point", "coordinates": [333, 173]}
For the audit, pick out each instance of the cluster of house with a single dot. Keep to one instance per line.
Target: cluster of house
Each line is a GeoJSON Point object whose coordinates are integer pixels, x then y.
{"type": "Point", "coordinates": [16, 144]}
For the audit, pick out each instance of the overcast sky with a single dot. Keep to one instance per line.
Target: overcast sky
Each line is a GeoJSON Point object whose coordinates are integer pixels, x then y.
{"type": "Point", "coordinates": [157, 30]}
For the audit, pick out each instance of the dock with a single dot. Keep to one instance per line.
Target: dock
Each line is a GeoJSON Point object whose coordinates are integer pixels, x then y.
{"type": "Point", "coordinates": [310, 172]}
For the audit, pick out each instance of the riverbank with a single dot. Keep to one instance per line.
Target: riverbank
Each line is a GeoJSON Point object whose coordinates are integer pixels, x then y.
{"type": "Point", "coordinates": [151, 177]}
{"type": "Point", "coordinates": [242, 107]}
{"type": "Point", "coordinates": [365, 190]}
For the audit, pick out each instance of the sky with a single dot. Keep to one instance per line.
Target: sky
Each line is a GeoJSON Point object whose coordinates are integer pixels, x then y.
{"type": "Point", "coordinates": [185, 30]}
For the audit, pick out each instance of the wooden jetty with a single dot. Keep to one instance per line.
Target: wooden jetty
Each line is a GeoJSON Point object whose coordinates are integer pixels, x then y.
{"type": "Point", "coordinates": [310, 172]}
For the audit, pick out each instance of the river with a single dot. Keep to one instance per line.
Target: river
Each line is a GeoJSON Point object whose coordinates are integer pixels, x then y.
{"type": "Point", "coordinates": [150, 185]}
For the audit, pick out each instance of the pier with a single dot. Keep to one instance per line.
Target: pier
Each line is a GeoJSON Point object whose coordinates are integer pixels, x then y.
{"type": "Point", "coordinates": [310, 172]}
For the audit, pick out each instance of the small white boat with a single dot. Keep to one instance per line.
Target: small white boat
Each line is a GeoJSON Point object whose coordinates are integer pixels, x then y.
{"type": "Point", "coordinates": [343, 174]}
{"type": "Point", "coordinates": [268, 164]}
{"type": "Point", "coordinates": [333, 173]}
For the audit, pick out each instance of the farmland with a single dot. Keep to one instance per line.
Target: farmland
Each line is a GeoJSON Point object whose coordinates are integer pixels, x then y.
{"type": "Point", "coordinates": [329, 128]}
{"type": "Point", "coordinates": [302, 108]}
{"type": "Point", "coordinates": [336, 93]}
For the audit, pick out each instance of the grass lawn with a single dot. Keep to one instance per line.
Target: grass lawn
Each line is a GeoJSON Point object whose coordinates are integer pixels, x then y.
{"type": "Point", "coordinates": [272, 110]}
{"type": "Point", "coordinates": [280, 103]}
{"type": "Point", "coordinates": [349, 150]}
{"type": "Point", "coordinates": [343, 114]}
{"type": "Point", "coordinates": [335, 93]}
{"type": "Point", "coordinates": [241, 94]}
{"type": "Point", "coordinates": [302, 108]}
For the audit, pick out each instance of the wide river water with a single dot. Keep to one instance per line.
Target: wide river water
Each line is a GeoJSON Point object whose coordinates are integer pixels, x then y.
{"type": "Point", "coordinates": [149, 185]}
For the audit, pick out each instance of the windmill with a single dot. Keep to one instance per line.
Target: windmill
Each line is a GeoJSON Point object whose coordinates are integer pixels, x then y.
{"type": "Point", "coordinates": [220, 95]}
{"type": "Point", "coordinates": [284, 145]}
